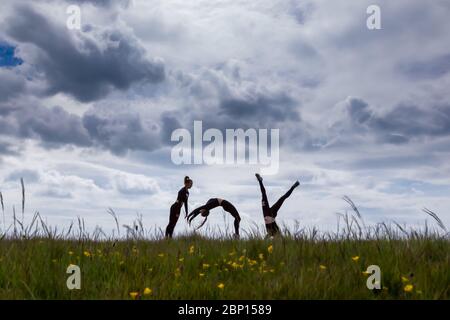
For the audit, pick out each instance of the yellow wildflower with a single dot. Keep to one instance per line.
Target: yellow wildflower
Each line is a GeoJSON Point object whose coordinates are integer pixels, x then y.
{"type": "Point", "coordinates": [205, 266]}
{"type": "Point", "coordinates": [147, 291]}
{"type": "Point", "coordinates": [408, 288]}
{"type": "Point", "coordinates": [191, 249]}
{"type": "Point", "coordinates": [87, 254]}
{"type": "Point", "coordinates": [355, 258]}
{"type": "Point", "coordinates": [221, 286]}
{"type": "Point", "coordinates": [252, 262]}
{"type": "Point", "coordinates": [261, 256]}
{"type": "Point", "coordinates": [270, 249]}
{"type": "Point", "coordinates": [134, 295]}
{"type": "Point", "coordinates": [405, 279]}
{"type": "Point", "coordinates": [322, 267]}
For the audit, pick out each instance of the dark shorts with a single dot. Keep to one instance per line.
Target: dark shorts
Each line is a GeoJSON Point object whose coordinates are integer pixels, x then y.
{"type": "Point", "coordinates": [272, 228]}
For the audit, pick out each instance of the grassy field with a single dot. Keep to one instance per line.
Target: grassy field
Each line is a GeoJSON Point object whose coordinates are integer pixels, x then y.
{"type": "Point", "coordinates": [302, 264]}
{"type": "Point", "coordinates": [192, 267]}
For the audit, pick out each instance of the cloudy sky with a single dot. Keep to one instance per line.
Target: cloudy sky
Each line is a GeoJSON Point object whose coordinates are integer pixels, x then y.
{"type": "Point", "coordinates": [86, 115]}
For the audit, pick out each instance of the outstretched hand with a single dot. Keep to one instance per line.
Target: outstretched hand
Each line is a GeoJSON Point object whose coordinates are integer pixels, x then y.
{"type": "Point", "coordinates": [192, 215]}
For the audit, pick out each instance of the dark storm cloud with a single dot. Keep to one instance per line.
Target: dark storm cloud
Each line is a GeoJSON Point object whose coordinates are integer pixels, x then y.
{"type": "Point", "coordinates": [52, 126]}
{"type": "Point", "coordinates": [393, 162]}
{"type": "Point", "coordinates": [7, 148]}
{"type": "Point", "coordinates": [55, 127]}
{"type": "Point", "coordinates": [122, 132]}
{"type": "Point", "coordinates": [11, 86]}
{"type": "Point", "coordinates": [403, 123]}
{"type": "Point", "coordinates": [81, 68]}
{"type": "Point", "coordinates": [222, 99]}
{"type": "Point", "coordinates": [430, 69]}
{"type": "Point", "coordinates": [263, 112]}
{"type": "Point", "coordinates": [411, 121]}
{"type": "Point", "coordinates": [262, 108]}
{"type": "Point", "coordinates": [383, 161]}
{"type": "Point", "coordinates": [169, 123]}
{"type": "Point", "coordinates": [359, 110]}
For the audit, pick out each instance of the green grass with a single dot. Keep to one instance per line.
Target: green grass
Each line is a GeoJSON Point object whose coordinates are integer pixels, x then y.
{"type": "Point", "coordinates": [36, 268]}
{"type": "Point", "coordinates": [303, 264]}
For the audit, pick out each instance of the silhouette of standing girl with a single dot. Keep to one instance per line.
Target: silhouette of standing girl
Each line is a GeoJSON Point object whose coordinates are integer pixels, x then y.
{"type": "Point", "coordinates": [175, 209]}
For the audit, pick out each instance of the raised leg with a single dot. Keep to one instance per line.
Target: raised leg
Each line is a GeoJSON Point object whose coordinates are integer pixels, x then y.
{"type": "Point", "coordinates": [274, 209]}
{"type": "Point", "coordinates": [264, 202]}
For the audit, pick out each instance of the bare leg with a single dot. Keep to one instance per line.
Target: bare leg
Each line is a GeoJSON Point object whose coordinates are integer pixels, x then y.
{"type": "Point", "coordinates": [237, 220]}
{"type": "Point", "coordinates": [174, 215]}
{"type": "Point", "coordinates": [228, 206]}
{"type": "Point", "coordinates": [274, 209]}
{"type": "Point", "coordinates": [264, 202]}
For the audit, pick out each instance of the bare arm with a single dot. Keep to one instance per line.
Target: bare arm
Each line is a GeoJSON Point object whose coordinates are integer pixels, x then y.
{"type": "Point", "coordinates": [186, 207]}
{"type": "Point", "coordinates": [193, 214]}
